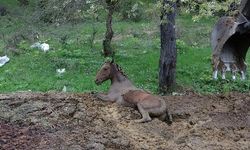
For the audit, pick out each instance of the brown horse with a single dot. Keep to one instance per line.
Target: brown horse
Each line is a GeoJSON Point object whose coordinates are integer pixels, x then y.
{"type": "Point", "coordinates": [123, 92]}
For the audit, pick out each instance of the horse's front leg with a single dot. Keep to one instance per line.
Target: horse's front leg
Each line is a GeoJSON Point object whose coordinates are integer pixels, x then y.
{"type": "Point", "coordinates": [105, 97]}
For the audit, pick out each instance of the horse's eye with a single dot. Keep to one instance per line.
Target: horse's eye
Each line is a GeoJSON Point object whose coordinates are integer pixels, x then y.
{"type": "Point", "coordinates": [105, 69]}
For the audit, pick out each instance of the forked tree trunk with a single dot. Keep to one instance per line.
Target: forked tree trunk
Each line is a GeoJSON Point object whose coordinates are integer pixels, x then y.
{"type": "Point", "coordinates": [107, 49]}
{"type": "Point", "coordinates": [167, 64]}
{"type": "Point", "coordinates": [3, 10]}
{"type": "Point", "coordinates": [23, 2]}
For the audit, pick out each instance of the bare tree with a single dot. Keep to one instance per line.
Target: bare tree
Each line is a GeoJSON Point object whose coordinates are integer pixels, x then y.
{"type": "Point", "coordinates": [107, 48]}
{"type": "Point", "coordinates": [23, 2]}
{"type": "Point", "coordinates": [3, 10]}
{"type": "Point", "coordinates": [168, 56]}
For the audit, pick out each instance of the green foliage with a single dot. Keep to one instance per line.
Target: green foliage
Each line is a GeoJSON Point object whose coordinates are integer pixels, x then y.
{"type": "Point", "coordinates": [60, 11]}
{"type": "Point", "coordinates": [207, 85]}
{"type": "Point", "coordinates": [131, 9]}
{"type": "Point", "coordinates": [181, 46]}
{"type": "Point", "coordinates": [209, 8]}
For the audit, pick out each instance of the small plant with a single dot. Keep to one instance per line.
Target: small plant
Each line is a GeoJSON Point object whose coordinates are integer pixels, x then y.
{"type": "Point", "coordinates": [181, 46]}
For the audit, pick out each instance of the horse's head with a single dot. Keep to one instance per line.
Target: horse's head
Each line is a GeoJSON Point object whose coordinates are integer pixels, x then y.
{"type": "Point", "coordinates": [105, 73]}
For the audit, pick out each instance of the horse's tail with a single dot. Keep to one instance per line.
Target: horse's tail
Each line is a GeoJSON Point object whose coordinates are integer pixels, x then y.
{"type": "Point", "coordinates": [169, 118]}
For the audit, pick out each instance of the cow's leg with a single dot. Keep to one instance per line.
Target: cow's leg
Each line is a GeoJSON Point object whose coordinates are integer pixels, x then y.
{"type": "Point", "coordinates": [234, 70]}
{"type": "Point", "coordinates": [216, 63]}
{"type": "Point", "coordinates": [243, 75]}
{"type": "Point", "coordinates": [223, 73]}
{"type": "Point", "coordinates": [215, 74]}
{"type": "Point", "coordinates": [243, 70]}
{"type": "Point", "coordinates": [234, 74]}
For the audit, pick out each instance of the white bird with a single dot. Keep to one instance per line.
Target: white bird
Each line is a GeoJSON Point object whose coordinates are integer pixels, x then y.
{"type": "Point", "coordinates": [4, 60]}
{"type": "Point", "coordinates": [36, 45]}
{"type": "Point", "coordinates": [60, 71]}
{"type": "Point", "coordinates": [44, 47]}
{"type": "Point", "coordinates": [64, 89]}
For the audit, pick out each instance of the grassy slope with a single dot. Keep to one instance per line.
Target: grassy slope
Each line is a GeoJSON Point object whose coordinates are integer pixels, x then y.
{"type": "Point", "coordinates": [137, 46]}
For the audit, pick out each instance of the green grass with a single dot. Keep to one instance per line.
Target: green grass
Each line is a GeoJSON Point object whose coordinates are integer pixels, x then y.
{"type": "Point", "coordinates": [36, 71]}
{"type": "Point", "coordinates": [137, 48]}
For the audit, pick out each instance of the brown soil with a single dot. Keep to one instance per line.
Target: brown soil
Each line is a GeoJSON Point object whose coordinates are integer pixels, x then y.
{"type": "Point", "coordinates": [79, 121]}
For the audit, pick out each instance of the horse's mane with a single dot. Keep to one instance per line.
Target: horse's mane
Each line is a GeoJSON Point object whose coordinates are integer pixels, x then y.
{"type": "Point", "coordinates": [119, 68]}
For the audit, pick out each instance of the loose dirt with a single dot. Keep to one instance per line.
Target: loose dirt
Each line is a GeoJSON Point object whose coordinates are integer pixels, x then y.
{"type": "Point", "coordinates": [80, 121]}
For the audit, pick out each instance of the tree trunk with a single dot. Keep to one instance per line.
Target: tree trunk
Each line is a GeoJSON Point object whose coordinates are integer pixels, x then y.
{"type": "Point", "coordinates": [23, 2]}
{"type": "Point", "coordinates": [3, 10]}
{"type": "Point", "coordinates": [107, 49]}
{"type": "Point", "coordinates": [167, 63]}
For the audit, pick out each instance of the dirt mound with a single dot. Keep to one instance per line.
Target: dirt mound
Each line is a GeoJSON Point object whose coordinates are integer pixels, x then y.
{"type": "Point", "coordinates": [79, 121]}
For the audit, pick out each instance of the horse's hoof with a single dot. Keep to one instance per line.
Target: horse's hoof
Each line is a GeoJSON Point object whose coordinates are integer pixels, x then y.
{"type": "Point", "coordinates": [95, 95]}
{"type": "Point", "coordinates": [93, 92]}
{"type": "Point", "coordinates": [143, 120]}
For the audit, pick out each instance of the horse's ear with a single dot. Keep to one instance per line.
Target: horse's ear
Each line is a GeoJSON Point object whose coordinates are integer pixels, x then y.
{"type": "Point", "coordinates": [109, 60]}
{"type": "Point", "coordinates": [112, 61]}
